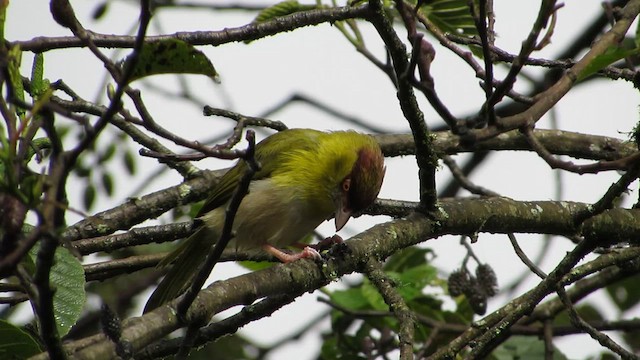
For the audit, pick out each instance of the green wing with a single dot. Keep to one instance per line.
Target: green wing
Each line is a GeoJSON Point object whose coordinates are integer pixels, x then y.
{"type": "Point", "coordinates": [270, 153]}
{"type": "Point", "coordinates": [186, 258]}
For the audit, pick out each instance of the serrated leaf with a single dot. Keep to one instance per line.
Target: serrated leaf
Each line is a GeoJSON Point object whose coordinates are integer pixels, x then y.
{"type": "Point", "coordinates": [67, 278]}
{"type": "Point", "coordinates": [450, 16]}
{"type": "Point", "coordinates": [16, 343]}
{"type": "Point", "coordinates": [89, 196]}
{"type": "Point", "coordinates": [171, 56]}
{"type": "Point", "coordinates": [67, 275]}
{"type": "Point", "coordinates": [610, 56]}
{"type": "Point", "coordinates": [281, 9]}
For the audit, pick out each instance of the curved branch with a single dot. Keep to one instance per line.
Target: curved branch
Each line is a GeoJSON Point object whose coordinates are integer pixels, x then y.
{"type": "Point", "coordinates": [253, 31]}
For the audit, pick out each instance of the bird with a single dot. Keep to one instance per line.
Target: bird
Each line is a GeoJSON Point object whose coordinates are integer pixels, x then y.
{"type": "Point", "coordinates": [306, 176]}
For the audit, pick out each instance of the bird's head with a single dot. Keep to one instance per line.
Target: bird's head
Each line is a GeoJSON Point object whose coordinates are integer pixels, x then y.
{"type": "Point", "coordinates": [361, 186]}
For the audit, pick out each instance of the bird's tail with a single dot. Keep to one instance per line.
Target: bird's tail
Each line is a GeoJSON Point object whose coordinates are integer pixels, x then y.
{"type": "Point", "coordinates": [184, 262]}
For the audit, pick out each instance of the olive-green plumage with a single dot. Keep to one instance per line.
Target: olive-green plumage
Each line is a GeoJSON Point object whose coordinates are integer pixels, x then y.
{"type": "Point", "coordinates": [306, 176]}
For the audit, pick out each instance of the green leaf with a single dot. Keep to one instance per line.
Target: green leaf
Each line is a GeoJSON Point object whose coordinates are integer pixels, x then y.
{"type": "Point", "coordinates": [82, 170]}
{"type": "Point", "coordinates": [412, 281]}
{"type": "Point", "coordinates": [170, 56]}
{"type": "Point", "coordinates": [351, 298]}
{"type": "Point", "coordinates": [637, 37]}
{"type": "Point", "coordinates": [67, 278]}
{"type": "Point", "coordinates": [626, 293]}
{"type": "Point", "coordinates": [100, 10]}
{"type": "Point", "coordinates": [374, 298]}
{"type": "Point", "coordinates": [32, 186]}
{"type": "Point", "coordinates": [281, 9]}
{"type": "Point", "coordinates": [89, 196]}
{"type": "Point", "coordinates": [524, 348]}
{"type": "Point", "coordinates": [16, 343]}
{"type": "Point", "coordinates": [108, 153]}
{"type": "Point", "coordinates": [107, 183]}
{"type": "Point", "coordinates": [255, 265]}
{"type": "Point", "coordinates": [450, 16]}
{"type": "Point", "coordinates": [129, 162]}
{"type": "Point", "coordinates": [407, 258]}
{"type": "Point", "coordinates": [3, 18]}
{"type": "Point", "coordinates": [610, 56]}
{"type": "Point", "coordinates": [38, 145]}
{"type": "Point", "coordinates": [67, 275]}
{"type": "Point", "coordinates": [344, 347]}
{"type": "Point", "coordinates": [632, 338]}
{"type": "Point", "coordinates": [39, 85]}
{"type": "Point", "coordinates": [15, 58]}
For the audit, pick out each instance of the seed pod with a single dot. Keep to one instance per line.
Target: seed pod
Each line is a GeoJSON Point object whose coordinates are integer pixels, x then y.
{"type": "Point", "coordinates": [477, 298]}
{"type": "Point", "coordinates": [458, 282]}
{"type": "Point", "coordinates": [487, 279]}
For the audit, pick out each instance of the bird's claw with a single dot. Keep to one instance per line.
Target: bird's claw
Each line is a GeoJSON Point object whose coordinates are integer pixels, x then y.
{"type": "Point", "coordinates": [328, 243]}
{"type": "Point", "coordinates": [310, 253]}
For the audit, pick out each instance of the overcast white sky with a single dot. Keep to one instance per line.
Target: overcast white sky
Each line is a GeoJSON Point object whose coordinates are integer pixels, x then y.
{"type": "Point", "coordinates": [318, 62]}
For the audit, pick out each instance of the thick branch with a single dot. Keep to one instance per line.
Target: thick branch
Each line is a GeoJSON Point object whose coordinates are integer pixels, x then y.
{"type": "Point", "coordinates": [463, 216]}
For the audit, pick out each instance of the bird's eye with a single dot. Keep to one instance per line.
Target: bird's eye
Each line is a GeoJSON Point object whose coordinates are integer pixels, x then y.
{"type": "Point", "coordinates": [346, 184]}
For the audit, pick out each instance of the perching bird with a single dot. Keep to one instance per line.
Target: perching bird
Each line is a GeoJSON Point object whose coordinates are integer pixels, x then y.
{"type": "Point", "coordinates": [306, 176]}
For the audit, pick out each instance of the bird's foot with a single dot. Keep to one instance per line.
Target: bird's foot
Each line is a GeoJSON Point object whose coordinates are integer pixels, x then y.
{"type": "Point", "coordinates": [306, 253]}
{"type": "Point", "coordinates": [327, 243]}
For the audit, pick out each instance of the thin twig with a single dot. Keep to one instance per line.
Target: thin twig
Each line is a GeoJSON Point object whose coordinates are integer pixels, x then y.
{"type": "Point", "coordinates": [523, 257]}
{"type": "Point", "coordinates": [464, 181]}
{"type": "Point", "coordinates": [593, 168]}
{"type": "Point", "coordinates": [602, 338]}
{"type": "Point", "coordinates": [425, 154]}
{"type": "Point", "coordinates": [374, 272]}
{"type": "Point", "coordinates": [230, 325]}
{"type": "Point", "coordinates": [253, 31]}
{"type": "Point", "coordinates": [480, 18]}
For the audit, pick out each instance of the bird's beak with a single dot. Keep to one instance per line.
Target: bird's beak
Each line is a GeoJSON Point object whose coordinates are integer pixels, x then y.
{"type": "Point", "coordinates": [342, 216]}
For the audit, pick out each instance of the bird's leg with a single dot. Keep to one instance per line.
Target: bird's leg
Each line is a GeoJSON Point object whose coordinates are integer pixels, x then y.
{"type": "Point", "coordinates": [306, 253]}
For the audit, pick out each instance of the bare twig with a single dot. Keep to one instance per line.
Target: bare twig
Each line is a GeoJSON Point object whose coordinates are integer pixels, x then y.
{"type": "Point", "coordinates": [555, 163]}
{"type": "Point", "coordinates": [602, 338]}
{"type": "Point", "coordinates": [374, 272]}
{"type": "Point", "coordinates": [523, 257]}
{"type": "Point", "coordinates": [425, 155]}
{"type": "Point", "coordinates": [253, 31]}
